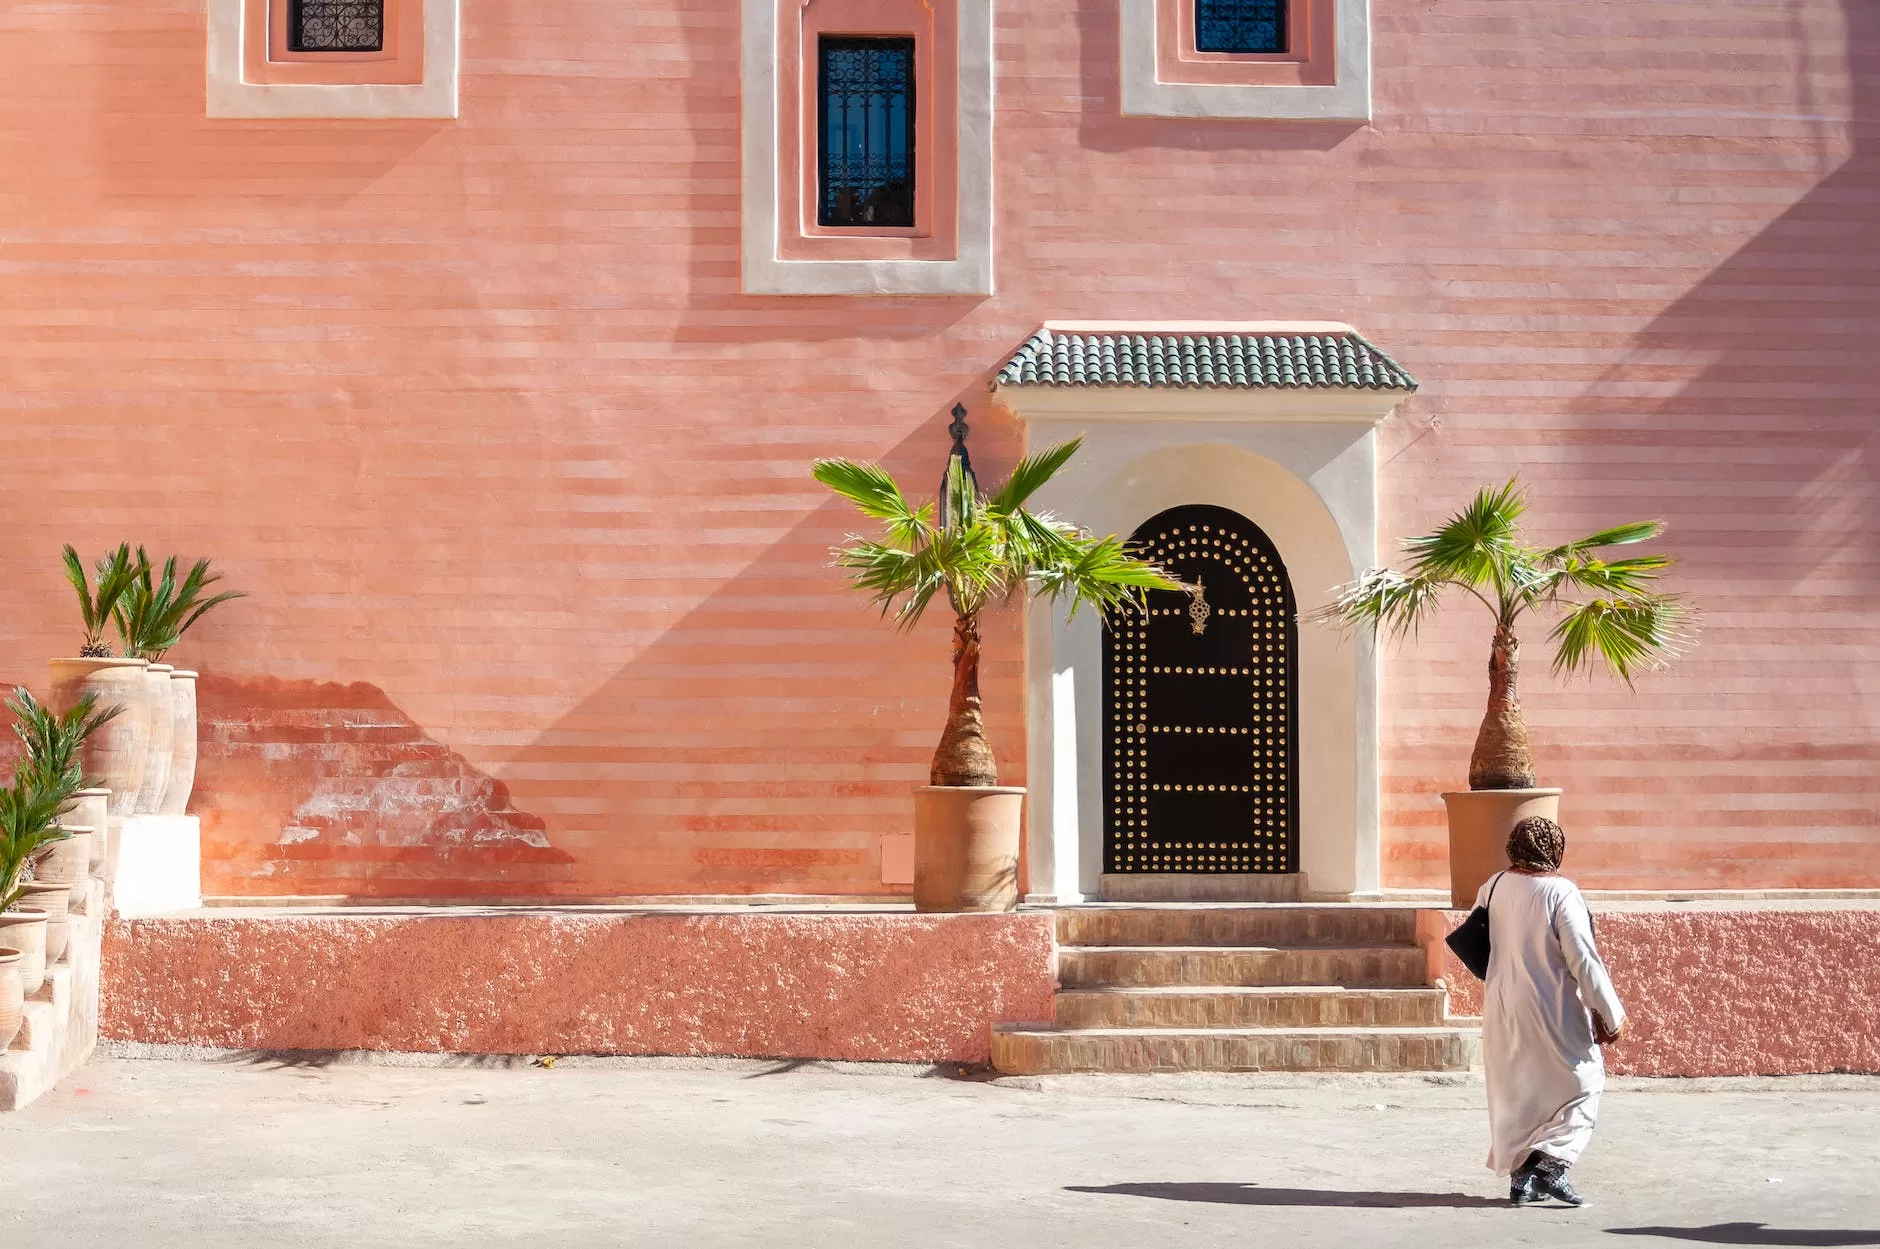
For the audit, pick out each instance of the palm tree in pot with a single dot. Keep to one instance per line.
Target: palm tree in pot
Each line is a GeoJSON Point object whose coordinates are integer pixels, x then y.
{"type": "Point", "coordinates": [980, 551]}
{"type": "Point", "coordinates": [53, 745]}
{"type": "Point", "coordinates": [27, 815]}
{"type": "Point", "coordinates": [117, 754]}
{"type": "Point", "coordinates": [1608, 613]}
{"type": "Point", "coordinates": [152, 616]}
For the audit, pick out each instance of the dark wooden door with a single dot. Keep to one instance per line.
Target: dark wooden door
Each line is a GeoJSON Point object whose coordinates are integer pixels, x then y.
{"type": "Point", "coordinates": [1200, 732]}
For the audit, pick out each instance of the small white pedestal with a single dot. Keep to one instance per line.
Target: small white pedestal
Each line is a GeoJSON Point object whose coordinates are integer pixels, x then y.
{"type": "Point", "coordinates": [154, 865]}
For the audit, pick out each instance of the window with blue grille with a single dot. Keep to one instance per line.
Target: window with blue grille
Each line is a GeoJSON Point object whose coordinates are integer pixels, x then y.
{"type": "Point", "coordinates": [866, 127]}
{"type": "Point", "coordinates": [335, 25]}
{"type": "Point", "coordinates": [1240, 25]}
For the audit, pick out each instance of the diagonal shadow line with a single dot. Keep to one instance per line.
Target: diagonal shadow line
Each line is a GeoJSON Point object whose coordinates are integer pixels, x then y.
{"type": "Point", "coordinates": [1755, 1234]}
{"type": "Point", "coordinates": [1254, 1195]}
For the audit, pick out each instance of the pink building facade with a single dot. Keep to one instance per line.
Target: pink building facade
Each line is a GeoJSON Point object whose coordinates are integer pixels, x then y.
{"type": "Point", "coordinates": [491, 362]}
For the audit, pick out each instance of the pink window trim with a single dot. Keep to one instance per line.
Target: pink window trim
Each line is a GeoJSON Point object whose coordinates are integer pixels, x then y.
{"type": "Point", "coordinates": [1309, 62]}
{"type": "Point", "coordinates": [935, 31]}
{"type": "Point", "coordinates": [266, 59]}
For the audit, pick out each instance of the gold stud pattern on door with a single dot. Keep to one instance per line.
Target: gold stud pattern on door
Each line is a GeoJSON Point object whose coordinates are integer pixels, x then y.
{"type": "Point", "coordinates": [1200, 751]}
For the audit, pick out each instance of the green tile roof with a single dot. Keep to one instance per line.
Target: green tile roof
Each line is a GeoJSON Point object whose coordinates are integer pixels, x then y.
{"type": "Point", "coordinates": [1055, 357]}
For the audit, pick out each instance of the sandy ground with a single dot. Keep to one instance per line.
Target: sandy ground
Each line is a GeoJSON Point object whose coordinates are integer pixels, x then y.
{"type": "Point", "coordinates": [245, 1152]}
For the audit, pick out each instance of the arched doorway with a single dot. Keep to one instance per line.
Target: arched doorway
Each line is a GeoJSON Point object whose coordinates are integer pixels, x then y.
{"type": "Point", "coordinates": [1200, 698]}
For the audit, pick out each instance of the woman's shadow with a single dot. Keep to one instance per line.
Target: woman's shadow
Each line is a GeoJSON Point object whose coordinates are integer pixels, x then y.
{"type": "Point", "coordinates": [1254, 1195]}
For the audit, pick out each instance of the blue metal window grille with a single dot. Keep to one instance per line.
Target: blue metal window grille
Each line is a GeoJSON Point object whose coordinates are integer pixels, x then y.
{"type": "Point", "coordinates": [1240, 25]}
{"type": "Point", "coordinates": [866, 132]}
{"type": "Point", "coordinates": [336, 25]}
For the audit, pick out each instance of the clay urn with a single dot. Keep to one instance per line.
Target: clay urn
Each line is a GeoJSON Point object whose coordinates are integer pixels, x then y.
{"type": "Point", "coordinates": [88, 810]}
{"type": "Point", "coordinates": [182, 743]}
{"type": "Point", "coordinates": [67, 862]}
{"type": "Point", "coordinates": [157, 685]}
{"type": "Point", "coordinates": [966, 847]}
{"type": "Point", "coordinates": [12, 997]}
{"type": "Point", "coordinates": [117, 753]}
{"type": "Point", "coordinates": [25, 930]}
{"type": "Point", "coordinates": [1479, 823]}
{"type": "Point", "coordinates": [55, 900]}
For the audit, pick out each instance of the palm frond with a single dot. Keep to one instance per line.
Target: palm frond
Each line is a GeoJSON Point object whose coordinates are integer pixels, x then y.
{"type": "Point", "coordinates": [81, 584]}
{"type": "Point", "coordinates": [1478, 545]}
{"type": "Point", "coordinates": [1031, 473]}
{"type": "Point", "coordinates": [202, 607]}
{"type": "Point", "coordinates": [875, 494]}
{"type": "Point", "coordinates": [989, 549]}
{"type": "Point", "coordinates": [154, 615]}
{"type": "Point", "coordinates": [53, 740]}
{"type": "Point", "coordinates": [1385, 600]}
{"type": "Point", "coordinates": [1619, 577]}
{"type": "Point", "coordinates": [27, 813]}
{"type": "Point", "coordinates": [885, 571]}
{"type": "Point", "coordinates": [1100, 573]}
{"type": "Point", "coordinates": [98, 605]}
{"type": "Point", "coordinates": [1618, 535]}
{"type": "Point", "coordinates": [1628, 635]}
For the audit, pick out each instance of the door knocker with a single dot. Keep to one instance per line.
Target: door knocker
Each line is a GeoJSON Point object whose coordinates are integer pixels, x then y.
{"type": "Point", "coordinates": [1198, 609]}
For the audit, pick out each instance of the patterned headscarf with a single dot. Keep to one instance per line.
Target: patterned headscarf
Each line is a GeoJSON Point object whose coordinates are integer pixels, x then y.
{"type": "Point", "coordinates": [1537, 844]}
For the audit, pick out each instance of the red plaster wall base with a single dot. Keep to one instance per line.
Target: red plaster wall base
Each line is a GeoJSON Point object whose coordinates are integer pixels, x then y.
{"type": "Point", "coordinates": [1752, 991]}
{"type": "Point", "coordinates": [881, 987]}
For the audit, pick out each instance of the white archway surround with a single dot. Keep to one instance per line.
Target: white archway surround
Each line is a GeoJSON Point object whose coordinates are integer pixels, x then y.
{"type": "Point", "coordinates": [1300, 463]}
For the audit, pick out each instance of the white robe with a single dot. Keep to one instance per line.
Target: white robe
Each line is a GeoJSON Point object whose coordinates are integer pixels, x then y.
{"type": "Point", "coordinates": [1544, 1070]}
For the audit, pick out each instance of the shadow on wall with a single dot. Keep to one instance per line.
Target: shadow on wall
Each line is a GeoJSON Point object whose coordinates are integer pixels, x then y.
{"type": "Point", "coordinates": [762, 741]}
{"type": "Point", "coordinates": [1771, 453]}
{"type": "Point", "coordinates": [1787, 325]}
{"type": "Point", "coordinates": [766, 739]}
{"type": "Point", "coordinates": [357, 799]}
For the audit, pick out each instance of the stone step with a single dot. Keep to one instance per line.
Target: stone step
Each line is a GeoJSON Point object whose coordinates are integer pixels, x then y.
{"type": "Point", "coordinates": [1380, 967]}
{"type": "Point", "coordinates": [61, 1019]}
{"type": "Point", "coordinates": [43, 1014]}
{"type": "Point", "coordinates": [1199, 887]}
{"type": "Point", "coordinates": [1343, 925]}
{"type": "Point", "coordinates": [1022, 1050]}
{"type": "Point", "coordinates": [1222, 1006]}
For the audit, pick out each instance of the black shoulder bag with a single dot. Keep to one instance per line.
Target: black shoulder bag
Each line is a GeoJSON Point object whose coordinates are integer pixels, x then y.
{"type": "Point", "coordinates": [1470, 940]}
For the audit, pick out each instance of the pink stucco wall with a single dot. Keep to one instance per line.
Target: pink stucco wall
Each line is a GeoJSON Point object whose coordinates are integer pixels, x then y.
{"type": "Point", "coordinates": [879, 987]}
{"type": "Point", "coordinates": [516, 475]}
{"type": "Point", "coordinates": [1716, 991]}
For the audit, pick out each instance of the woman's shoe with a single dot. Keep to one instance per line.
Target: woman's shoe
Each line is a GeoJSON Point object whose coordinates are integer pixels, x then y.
{"type": "Point", "coordinates": [1521, 1190]}
{"type": "Point", "coordinates": [1550, 1184]}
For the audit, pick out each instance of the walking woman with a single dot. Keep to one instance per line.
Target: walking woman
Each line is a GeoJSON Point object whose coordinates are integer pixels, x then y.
{"type": "Point", "coordinates": [1547, 1008]}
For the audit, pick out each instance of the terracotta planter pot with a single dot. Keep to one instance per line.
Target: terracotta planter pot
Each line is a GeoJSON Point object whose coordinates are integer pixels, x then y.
{"type": "Point", "coordinates": [182, 744]}
{"type": "Point", "coordinates": [88, 809]}
{"type": "Point", "coordinates": [67, 863]}
{"type": "Point", "coordinates": [1479, 823]}
{"type": "Point", "coordinates": [115, 754]}
{"type": "Point", "coordinates": [162, 732]}
{"type": "Point", "coordinates": [12, 997]}
{"type": "Point", "coordinates": [55, 900]}
{"type": "Point", "coordinates": [25, 930]}
{"type": "Point", "coordinates": [966, 847]}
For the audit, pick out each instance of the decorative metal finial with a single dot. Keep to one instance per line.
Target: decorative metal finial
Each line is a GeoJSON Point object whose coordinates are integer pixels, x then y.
{"type": "Point", "coordinates": [958, 429]}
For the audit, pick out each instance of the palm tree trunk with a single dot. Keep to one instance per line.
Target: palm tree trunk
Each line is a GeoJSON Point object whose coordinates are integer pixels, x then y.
{"type": "Point", "coordinates": [1502, 759]}
{"type": "Point", "coordinates": [964, 756]}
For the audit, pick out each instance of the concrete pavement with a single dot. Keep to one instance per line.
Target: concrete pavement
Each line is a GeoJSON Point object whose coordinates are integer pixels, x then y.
{"type": "Point", "coordinates": [166, 1154]}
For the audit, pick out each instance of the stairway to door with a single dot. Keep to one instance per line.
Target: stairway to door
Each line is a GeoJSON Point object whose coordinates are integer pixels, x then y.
{"type": "Point", "coordinates": [1265, 987]}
